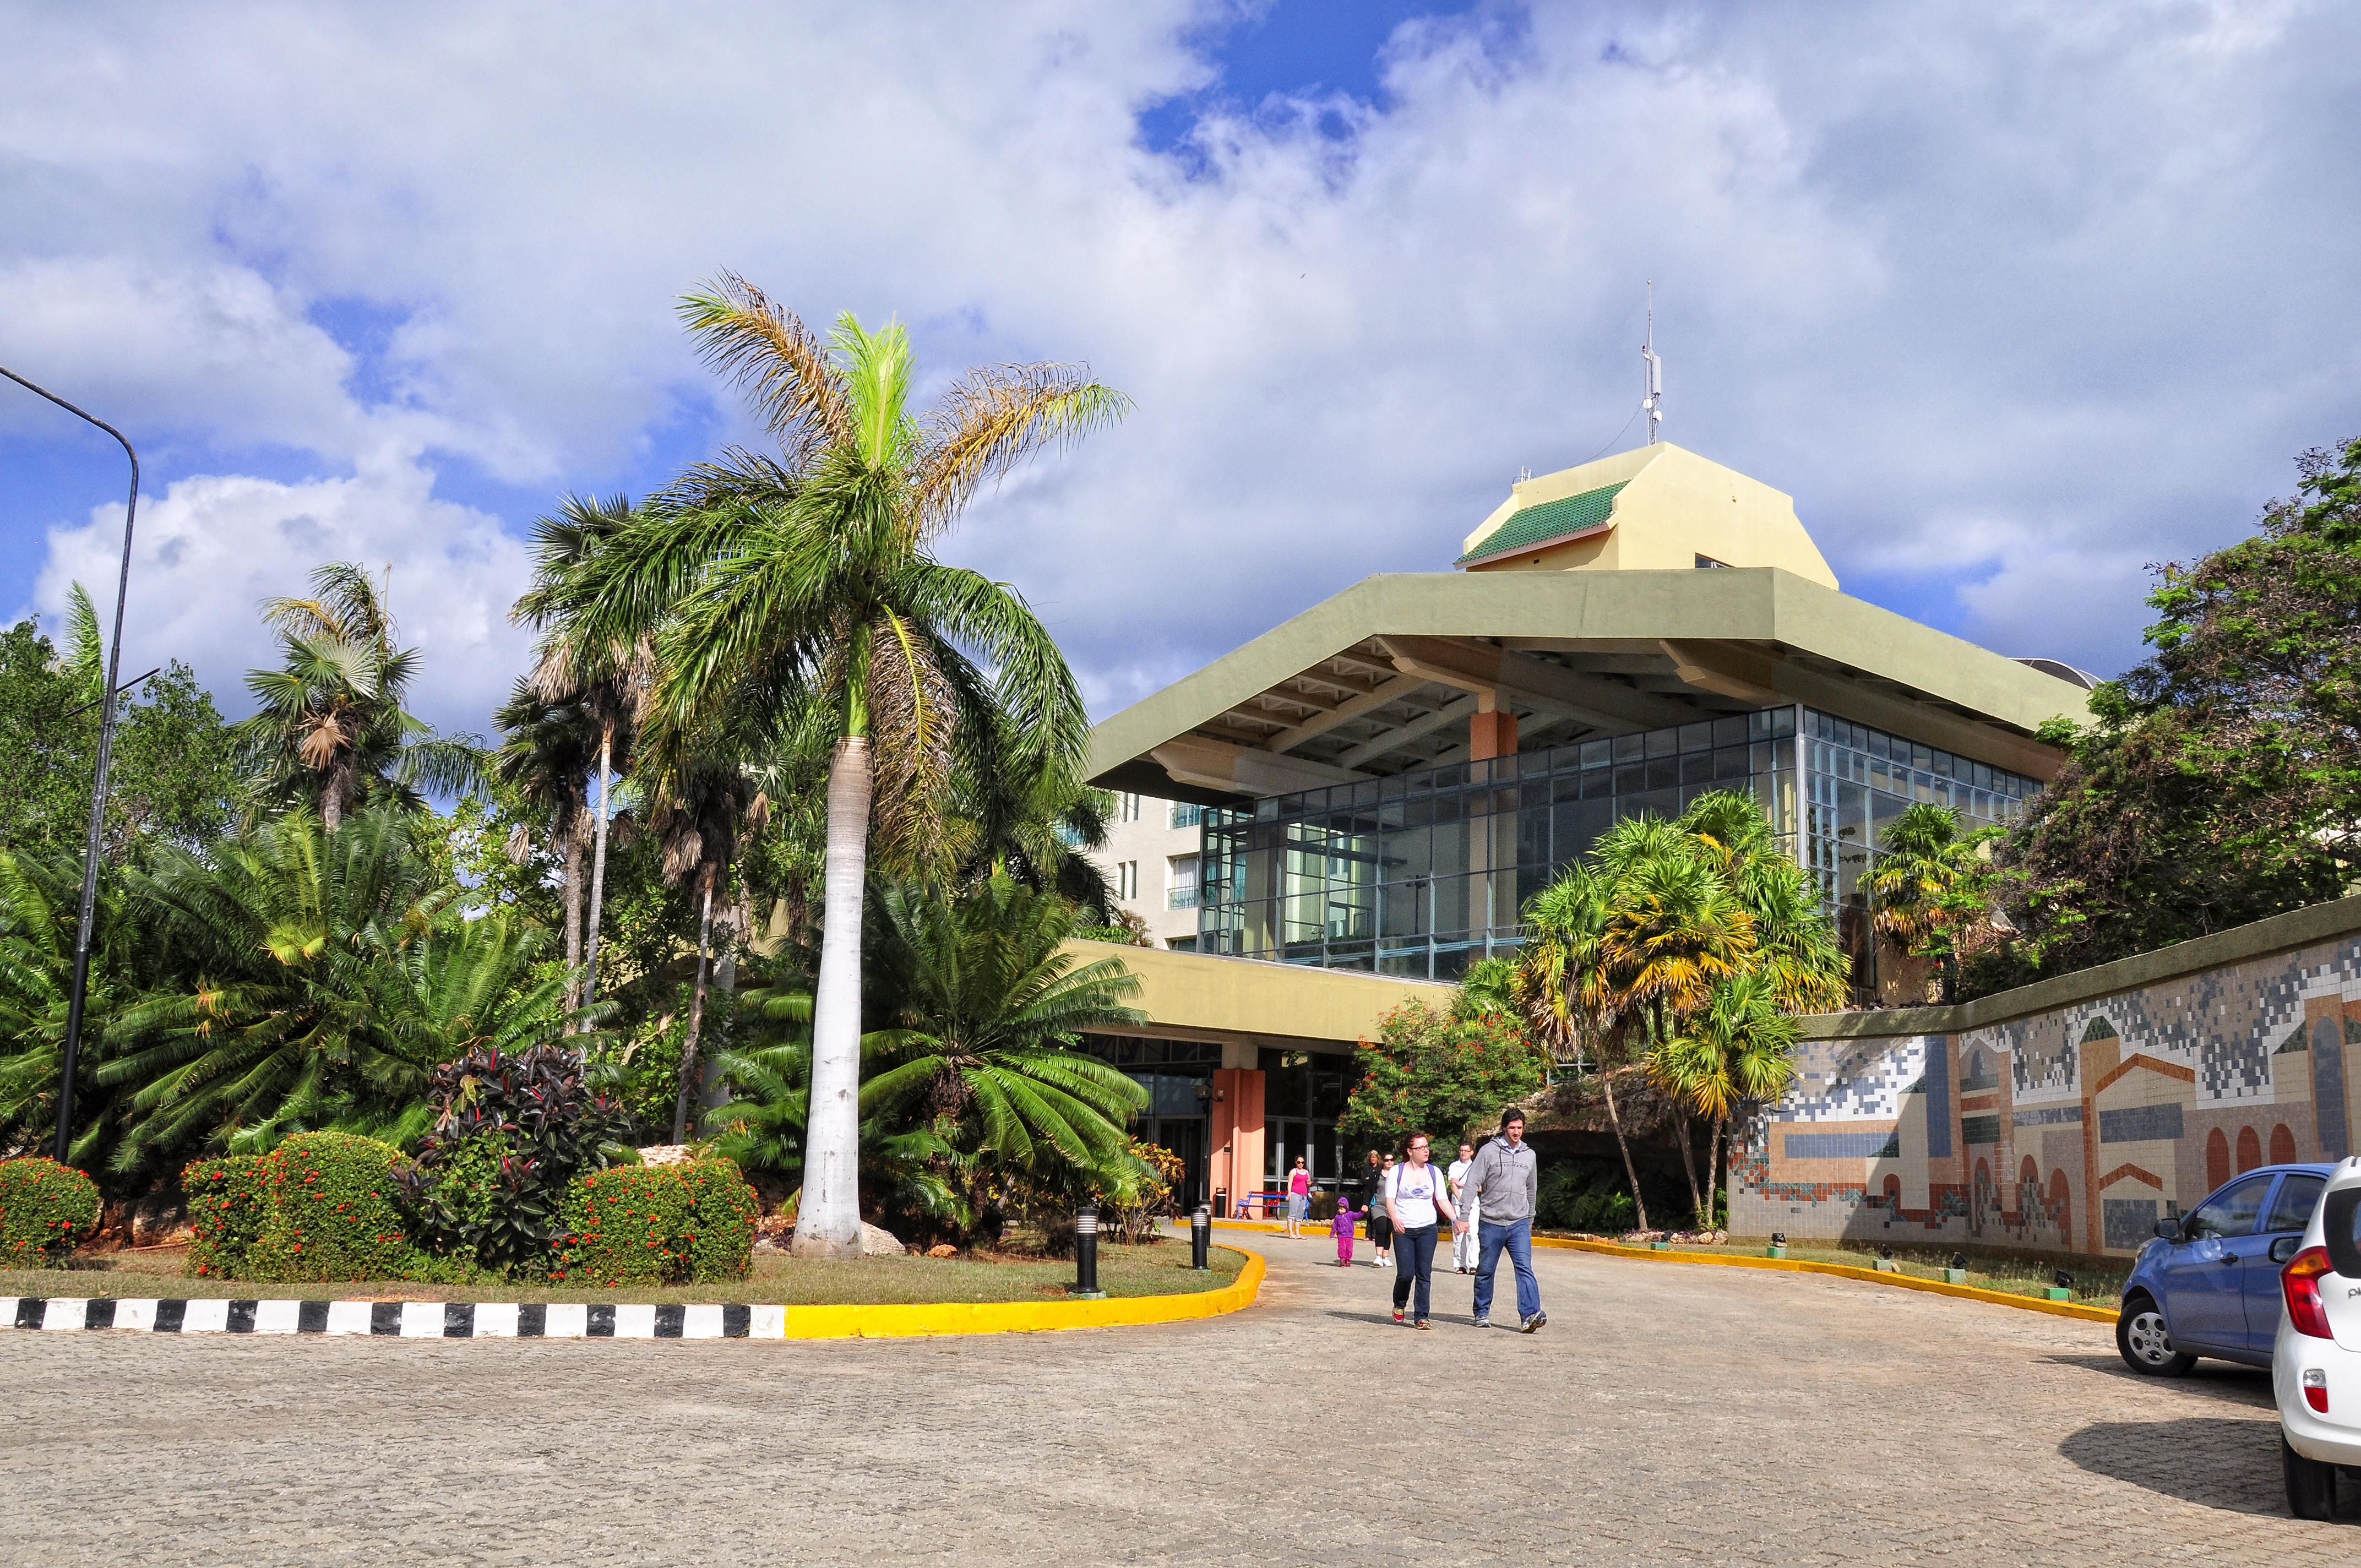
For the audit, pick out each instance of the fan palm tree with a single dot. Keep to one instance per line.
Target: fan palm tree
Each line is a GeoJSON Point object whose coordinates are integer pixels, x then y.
{"type": "Point", "coordinates": [331, 730]}
{"type": "Point", "coordinates": [1733, 1050]}
{"type": "Point", "coordinates": [547, 749]}
{"type": "Point", "coordinates": [801, 589]}
{"type": "Point", "coordinates": [607, 676]}
{"type": "Point", "coordinates": [1928, 883]}
{"type": "Point", "coordinates": [989, 1008]}
{"type": "Point", "coordinates": [1562, 989]}
{"type": "Point", "coordinates": [1795, 943]}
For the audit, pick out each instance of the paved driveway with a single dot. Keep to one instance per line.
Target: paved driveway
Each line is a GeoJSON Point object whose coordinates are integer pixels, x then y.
{"type": "Point", "coordinates": [1668, 1414]}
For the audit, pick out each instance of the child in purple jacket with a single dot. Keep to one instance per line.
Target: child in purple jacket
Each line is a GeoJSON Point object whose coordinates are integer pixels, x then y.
{"type": "Point", "coordinates": [1340, 1227]}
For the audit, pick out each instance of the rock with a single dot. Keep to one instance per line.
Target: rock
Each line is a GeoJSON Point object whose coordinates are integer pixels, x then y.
{"type": "Point", "coordinates": [158, 1220]}
{"type": "Point", "coordinates": [763, 1244]}
{"type": "Point", "coordinates": [878, 1243]}
{"type": "Point", "coordinates": [942, 1249]}
{"type": "Point", "coordinates": [668, 1154]}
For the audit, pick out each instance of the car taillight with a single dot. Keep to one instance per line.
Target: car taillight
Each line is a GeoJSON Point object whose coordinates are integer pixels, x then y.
{"type": "Point", "coordinates": [2300, 1282]}
{"type": "Point", "coordinates": [2315, 1389]}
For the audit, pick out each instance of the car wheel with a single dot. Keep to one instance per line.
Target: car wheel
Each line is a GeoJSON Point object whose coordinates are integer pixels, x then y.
{"type": "Point", "coordinates": [2146, 1344]}
{"type": "Point", "coordinates": [2311, 1484]}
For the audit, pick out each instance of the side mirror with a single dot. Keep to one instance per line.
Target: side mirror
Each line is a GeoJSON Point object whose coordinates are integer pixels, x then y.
{"type": "Point", "coordinates": [2169, 1230]}
{"type": "Point", "coordinates": [2284, 1247]}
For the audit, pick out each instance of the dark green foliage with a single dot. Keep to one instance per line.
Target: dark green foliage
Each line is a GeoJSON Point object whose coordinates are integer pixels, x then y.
{"type": "Point", "coordinates": [1584, 1196]}
{"type": "Point", "coordinates": [2220, 781]}
{"type": "Point", "coordinates": [1446, 1075]}
{"type": "Point", "coordinates": [512, 1130]}
{"type": "Point", "coordinates": [172, 776]}
{"type": "Point", "coordinates": [672, 1225]}
{"type": "Point", "coordinates": [225, 1212]}
{"type": "Point", "coordinates": [331, 1212]}
{"type": "Point", "coordinates": [45, 1209]}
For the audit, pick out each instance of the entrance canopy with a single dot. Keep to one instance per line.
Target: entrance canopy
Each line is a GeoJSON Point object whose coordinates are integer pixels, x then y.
{"type": "Point", "coordinates": [1411, 670]}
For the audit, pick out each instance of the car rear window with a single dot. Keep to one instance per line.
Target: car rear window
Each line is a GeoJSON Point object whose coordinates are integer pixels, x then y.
{"type": "Point", "coordinates": [2291, 1210]}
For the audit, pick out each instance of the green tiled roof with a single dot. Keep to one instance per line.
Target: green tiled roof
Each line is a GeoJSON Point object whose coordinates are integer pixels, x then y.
{"type": "Point", "coordinates": [1550, 519]}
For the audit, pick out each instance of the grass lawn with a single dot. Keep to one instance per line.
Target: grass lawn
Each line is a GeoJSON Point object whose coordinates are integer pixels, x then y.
{"type": "Point", "coordinates": [1160, 1270]}
{"type": "Point", "coordinates": [2097, 1281]}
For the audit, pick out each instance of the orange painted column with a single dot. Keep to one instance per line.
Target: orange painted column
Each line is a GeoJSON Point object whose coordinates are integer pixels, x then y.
{"type": "Point", "coordinates": [1492, 734]}
{"type": "Point", "coordinates": [1237, 1133]}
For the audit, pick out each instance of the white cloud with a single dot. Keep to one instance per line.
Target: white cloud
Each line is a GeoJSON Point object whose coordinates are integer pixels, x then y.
{"type": "Point", "coordinates": [2007, 295]}
{"type": "Point", "coordinates": [211, 549]}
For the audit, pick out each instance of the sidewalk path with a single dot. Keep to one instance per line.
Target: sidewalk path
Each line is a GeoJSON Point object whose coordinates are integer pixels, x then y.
{"type": "Point", "coordinates": [1667, 1414]}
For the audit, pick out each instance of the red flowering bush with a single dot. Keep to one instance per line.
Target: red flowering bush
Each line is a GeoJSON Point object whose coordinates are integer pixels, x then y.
{"type": "Point", "coordinates": [1446, 1074]}
{"type": "Point", "coordinates": [644, 1224]}
{"type": "Point", "coordinates": [225, 1212]}
{"type": "Point", "coordinates": [45, 1209]}
{"type": "Point", "coordinates": [330, 1211]}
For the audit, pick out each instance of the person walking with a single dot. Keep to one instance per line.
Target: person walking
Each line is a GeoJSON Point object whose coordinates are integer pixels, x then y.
{"type": "Point", "coordinates": [1504, 1180]}
{"type": "Point", "coordinates": [1463, 1238]}
{"type": "Point", "coordinates": [1298, 1198]}
{"type": "Point", "coordinates": [1370, 1193]}
{"type": "Point", "coordinates": [1413, 1193]}
{"type": "Point", "coordinates": [1340, 1227]}
{"type": "Point", "coordinates": [1381, 1227]}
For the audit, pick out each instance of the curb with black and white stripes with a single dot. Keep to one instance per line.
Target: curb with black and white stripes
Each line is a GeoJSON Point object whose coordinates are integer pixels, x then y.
{"type": "Point", "coordinates": [402, 1320]}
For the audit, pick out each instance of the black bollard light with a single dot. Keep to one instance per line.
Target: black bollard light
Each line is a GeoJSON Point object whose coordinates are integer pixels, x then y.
{"type": "Point", "coordinates": [1200, 1238]}
{"type": "Point", "coordinates": [1086, 1253]}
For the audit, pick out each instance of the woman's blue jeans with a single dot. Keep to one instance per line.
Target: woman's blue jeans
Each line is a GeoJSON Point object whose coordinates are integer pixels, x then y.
{"type": "Point", "coordinates": [1413, 1261]}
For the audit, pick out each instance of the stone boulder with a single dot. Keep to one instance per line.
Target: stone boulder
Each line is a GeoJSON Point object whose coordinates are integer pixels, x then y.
{"type": "Point", "coordinates": [879, 1243]}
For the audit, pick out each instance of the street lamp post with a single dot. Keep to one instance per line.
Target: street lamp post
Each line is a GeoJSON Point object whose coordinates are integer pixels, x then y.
{"type": "Point", "coordinates": [98, 786]}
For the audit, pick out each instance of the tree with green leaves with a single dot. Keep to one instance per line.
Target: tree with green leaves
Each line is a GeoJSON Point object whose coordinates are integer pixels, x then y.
{"type": "Point", "coordinates": [1734, 1050]}
{"type": "Point", "coordinates": [331, 732]}
{"type": "Point", "coordinates": [1445, 1072]}
{"type": "Point", "coordinates": [173, 776]}
{"type": "Point", "coordinates": [2219, 782]}
{"type": "Point", "coordinates": [801, 589]}
{"type": "Point", "coordinates": [1930, 887]}
{"type": "Point", "coordinates": [546, 751]}
{"type": "Point", "coordinates": [41, 899]}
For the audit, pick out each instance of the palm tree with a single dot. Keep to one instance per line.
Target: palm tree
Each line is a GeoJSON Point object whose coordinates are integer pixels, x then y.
{"type": "Point", "coordinates": [1795, 943]}
{"type": "Point", "coordinates": [1733, 1050]}
{"type": "Point", "coordinates": [331, 730]}
{"type": "Point", "coordinates": [698, 817]}
{"type": "Point", "coordinates": [801, 589]}
{"type": "Point", "coordinates": [608, 677]}
{"type": "Point", "coordinates": [547, 749]}
{"type": "Point", "coordinates": [39, 904]}
{"type": "Point", "coordinates": [989, 1008]}
{"type": "Point", "coordinates": [318, 979]}
{"type": "Point", "coordinates": [1561, 987]}
{"type": "Point", "coordinates": [1928, 883]}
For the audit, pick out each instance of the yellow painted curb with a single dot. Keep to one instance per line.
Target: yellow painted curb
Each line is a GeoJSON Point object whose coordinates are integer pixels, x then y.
{"type": "Point", "coordinates": [1846, 1270]}
{"type": "Point", "coordinates": [901, 1321]}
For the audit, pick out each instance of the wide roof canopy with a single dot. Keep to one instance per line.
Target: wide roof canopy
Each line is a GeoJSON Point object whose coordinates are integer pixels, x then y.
{"type": "Point", "coordinates": [1381, 678]}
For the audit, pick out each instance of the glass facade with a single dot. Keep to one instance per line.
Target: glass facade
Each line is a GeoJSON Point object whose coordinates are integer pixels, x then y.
{"type": "Point", "coordinates": [1422, 874]}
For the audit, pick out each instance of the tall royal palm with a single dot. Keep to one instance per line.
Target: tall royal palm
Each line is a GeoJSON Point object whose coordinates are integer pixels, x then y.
{"type": "Point", "coordinates": [801, 589]}
{"type": "Point", "coordinates": [331, 730]}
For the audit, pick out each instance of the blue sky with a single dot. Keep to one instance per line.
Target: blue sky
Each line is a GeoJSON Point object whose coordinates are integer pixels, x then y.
{"type": "Point", "coordinates": [1969, 281]}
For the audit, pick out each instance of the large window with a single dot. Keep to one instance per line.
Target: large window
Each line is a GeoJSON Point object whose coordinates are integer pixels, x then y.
{"type": "Point", "coordinates": [1181, 882]}
{"type": "Point", "coordinates": [1422, 873]}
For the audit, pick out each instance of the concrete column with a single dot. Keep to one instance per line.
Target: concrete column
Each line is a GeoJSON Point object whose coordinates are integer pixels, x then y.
{"type": "Point", "coordinates": [1490, 732]}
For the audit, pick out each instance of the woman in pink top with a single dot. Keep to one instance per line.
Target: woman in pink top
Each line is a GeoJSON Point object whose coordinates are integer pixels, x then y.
{"type": "Point", "coordinates": [1298, 1198]}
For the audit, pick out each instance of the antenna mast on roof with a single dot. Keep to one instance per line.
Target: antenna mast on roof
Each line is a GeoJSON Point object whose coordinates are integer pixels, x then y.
{"type": "Point", "coordinates": [1652, 371]}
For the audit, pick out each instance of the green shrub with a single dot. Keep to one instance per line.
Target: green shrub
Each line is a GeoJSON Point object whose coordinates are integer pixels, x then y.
{"type": "Point", "coordinates": [330, 1212]}
{"type": "Point", "coordinates": [658, 1225]}
{"type": "Point", "coordinates": [225, 1212]}
{"type": "Point", "coordinates": [45, 1209]}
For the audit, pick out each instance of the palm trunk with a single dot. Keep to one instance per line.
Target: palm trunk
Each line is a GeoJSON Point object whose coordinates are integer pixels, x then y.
{"type": "Point", "coordinates": [1615, 1120]}
{"type": "Point", "coordinates": [827, 1225]}
{"type": "Point", "coordinates": [573, 884]}
{"type": "Point", "coordinates": [1689, 1159]}
{"type": "Point", "coordinates": [688, 1074]}
{"type": "Point", "coordinates": [598, 866]}
{"type": "Point", "coordinates": [1712, 1167]}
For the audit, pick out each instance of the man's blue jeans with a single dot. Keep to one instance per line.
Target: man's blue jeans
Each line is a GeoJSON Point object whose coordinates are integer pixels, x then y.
{"type": "Point", "coordinates": [1517, 1236]}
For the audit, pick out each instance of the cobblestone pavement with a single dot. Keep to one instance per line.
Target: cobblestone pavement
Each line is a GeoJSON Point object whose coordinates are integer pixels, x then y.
{"type": "Point", "coordinates": [1667, 1414]}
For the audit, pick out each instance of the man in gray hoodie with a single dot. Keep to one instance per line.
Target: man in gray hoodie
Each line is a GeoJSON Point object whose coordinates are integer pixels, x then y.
{"type": "Point", "coordinates": [1505, 1180]}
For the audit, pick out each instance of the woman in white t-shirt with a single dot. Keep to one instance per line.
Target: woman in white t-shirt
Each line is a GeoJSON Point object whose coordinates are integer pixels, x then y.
{"type": "Point", "coordinates": [1412, 1193]}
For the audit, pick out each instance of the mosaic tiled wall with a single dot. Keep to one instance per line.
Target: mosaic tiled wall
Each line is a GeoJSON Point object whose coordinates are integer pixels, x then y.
{"type": "Point", "coordinates": [2071, 1131]}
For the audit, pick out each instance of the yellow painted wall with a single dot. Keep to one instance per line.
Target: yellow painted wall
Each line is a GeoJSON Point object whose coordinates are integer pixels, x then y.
{"type": "Point", "coordinates": [1243, 996]}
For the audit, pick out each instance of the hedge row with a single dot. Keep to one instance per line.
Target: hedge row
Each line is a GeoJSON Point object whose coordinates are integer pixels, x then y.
{"type": "Point", "coordinates": [670, 1225]}
{"type": "Point", "coordinates": [45, 1209]}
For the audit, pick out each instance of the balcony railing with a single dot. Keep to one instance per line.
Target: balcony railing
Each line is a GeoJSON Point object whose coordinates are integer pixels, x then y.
{"type": "Point", "coordinates": [1181, 898]}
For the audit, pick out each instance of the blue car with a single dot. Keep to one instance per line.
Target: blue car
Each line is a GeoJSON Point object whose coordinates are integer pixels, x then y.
{"type": "Point", "coordinates": [2209, 1283]}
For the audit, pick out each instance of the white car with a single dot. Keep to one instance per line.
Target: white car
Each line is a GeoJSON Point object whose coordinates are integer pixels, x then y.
{"type": "Point", "coordinates": [2316, 1360]}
